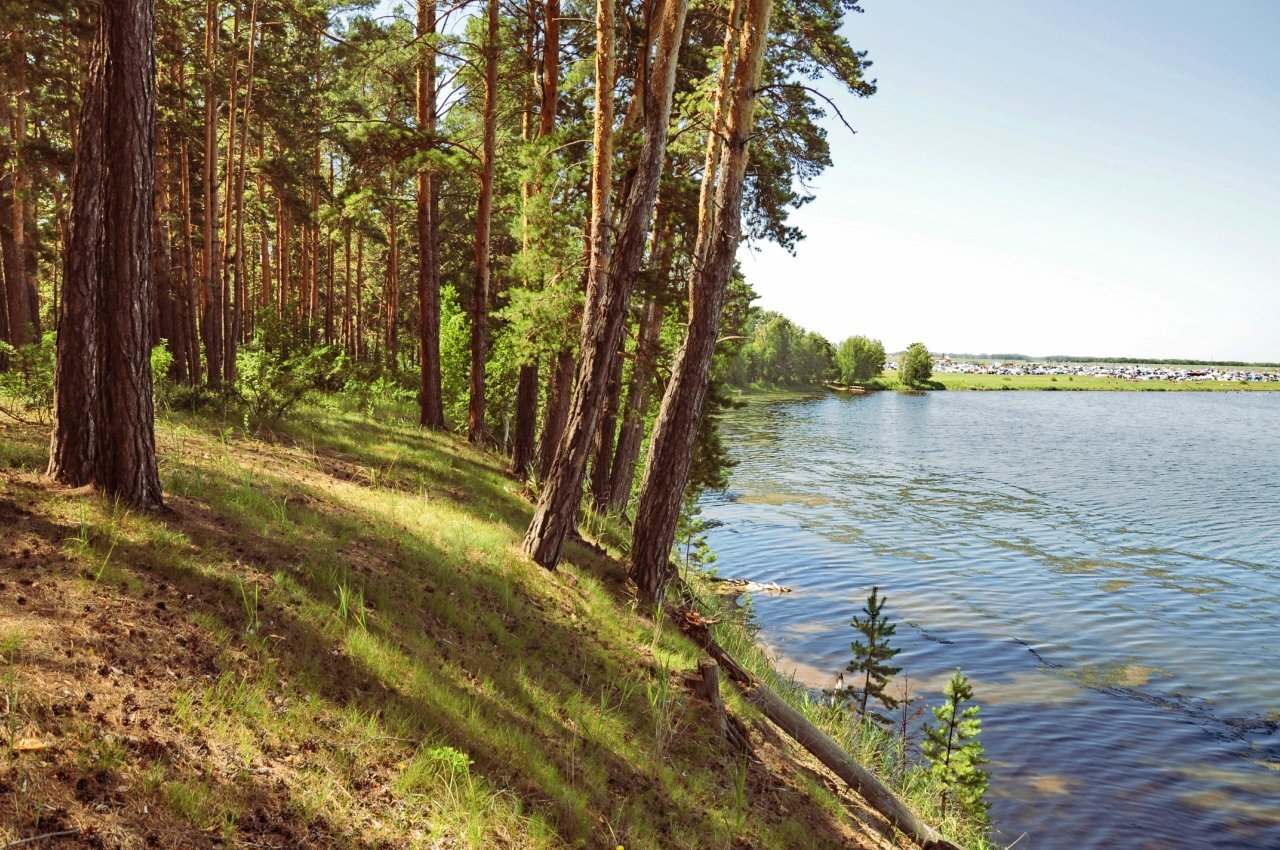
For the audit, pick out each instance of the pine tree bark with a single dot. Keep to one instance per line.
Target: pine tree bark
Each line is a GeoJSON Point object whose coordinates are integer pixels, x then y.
{"type": "Point", "coordinates": [22, 330]}
{"type": "Point", "coordinates": [104, 424]}
{"type": "Point", "coordinates": [430, 394]}
{"type": "Point", "coordinates": [477, 430]}
{"type": "Point", "coordinates": [631, 434]}
{"type": "Point", "coordinates": [75, 386]}
{"type": "Point", "coordinates": [559, 386]}
{"type": "Point", "coordinates": [606, 431]}
{"type": "Point", "coordinates": [675, 431]}
{"type": "Point", "coordinates": [609, 289]}
{"type": "Point", "coordinates": [392, 305]}
{"type": "Point", "coordinates": [4, 320]}
{"type": "Point", "coordinates": [190, 285]}
{"type": "Point", "coordinates": [210, 261]}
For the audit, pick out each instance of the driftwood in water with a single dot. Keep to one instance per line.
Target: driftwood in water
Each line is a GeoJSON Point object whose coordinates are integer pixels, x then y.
{"type": "Point", "coordinates": [813, 739]}
{"type": "Point", "coordinates": [741, 585]}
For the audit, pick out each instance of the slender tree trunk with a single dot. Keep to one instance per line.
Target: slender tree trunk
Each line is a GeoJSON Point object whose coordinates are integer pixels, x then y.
{"type": "Point", "coordinates": [715, 139]}
{"type": "Point", "coordinates": [393, 288]}
{"type": "Point", "coordinates": [210, 260]}
{"type": "Point", "coordinates": [477, 430]}
{"type": "Point", "coordinates": [558, 501]}
{"type": "Point", "coordinates": [12, 250]}
{"type": "Point", "coordinates": [631, 434]}
{"type": "Point", "coordinates": [602, 454]}
{"type": "Point", "coordinates": [608, 292]}
{"type": "Point", "coordinates": [266, 287]}
{"type": "Point", "coordinates": [191, 288]}
{"type": "Point", "coordinates": [24, 203]}
{"type": "Point", "coordinates": [523, 448]}
{"type": "Point", "coordinates": [675, 432]}
{"type": "Point", "coordinates": [559, 386]}
{"type": "Point", "coordinates": [4, 320]}
{"type": "Point", "coordinates": [236, 291]}
{"type": "Point", "coordinates": [359, 295]}
{"type": "Point", "coordinates": [430, 395]}
{"type": "Point", "coordinates": [347, 335]}
{"type": "Point", "coordinates": [104, 332]}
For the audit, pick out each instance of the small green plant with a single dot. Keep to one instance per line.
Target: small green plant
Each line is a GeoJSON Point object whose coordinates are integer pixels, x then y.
{"type": "Point", "coordinates": [351, 604]}
{"type": "Point", "coordinates": [249, 601]}
{"type": "Point", "coordinates": [29, 381]}
{"type": "Point", "coordinates": [955, 754]}
{"type": "Point", "coordinates": [661, 707]}
{"type": "Point", "coordinates": [870, 661]}
{"type": "Point", "coordinates": [740, 795]}
{"type": "Point", "coordinates": [162, 383]}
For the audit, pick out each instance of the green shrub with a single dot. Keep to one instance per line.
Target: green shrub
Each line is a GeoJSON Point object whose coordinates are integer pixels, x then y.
{"type": "Point", "coordinates": [280, 366]}
{"type": "Point", "coordinates": [29, 381]}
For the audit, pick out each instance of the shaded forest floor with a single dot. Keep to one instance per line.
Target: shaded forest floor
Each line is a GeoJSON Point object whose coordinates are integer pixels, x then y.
{"type": "Point", "coordinates": [332, 640]}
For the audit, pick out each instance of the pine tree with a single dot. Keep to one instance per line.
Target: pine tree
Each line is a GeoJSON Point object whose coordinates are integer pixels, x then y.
{"type": "Point", "coordinates": [871, 660]}
{"type": "Point", "coordinates": [954, 752]}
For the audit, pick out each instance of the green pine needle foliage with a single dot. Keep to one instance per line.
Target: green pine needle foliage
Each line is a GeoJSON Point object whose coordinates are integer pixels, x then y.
{"type": "Point", "coordinates": [954, 752]}
{"type": "Point", "coordinates": [870, 663]}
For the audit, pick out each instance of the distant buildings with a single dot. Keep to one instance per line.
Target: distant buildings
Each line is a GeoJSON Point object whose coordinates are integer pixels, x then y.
{"type": "Point", "coordinates": [1128, 372]}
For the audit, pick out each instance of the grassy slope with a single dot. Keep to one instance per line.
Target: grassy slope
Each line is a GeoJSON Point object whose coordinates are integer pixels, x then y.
{"type": "Point", "coordinates": [332, 641]}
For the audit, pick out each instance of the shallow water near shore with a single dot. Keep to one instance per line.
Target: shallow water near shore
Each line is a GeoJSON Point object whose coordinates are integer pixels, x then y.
{"type": "Point", "coordinates": [1105, 567]}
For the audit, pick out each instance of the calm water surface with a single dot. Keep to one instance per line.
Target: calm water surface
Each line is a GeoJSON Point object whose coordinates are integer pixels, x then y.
{"type": "Point", "coordinates": [1104, 566]}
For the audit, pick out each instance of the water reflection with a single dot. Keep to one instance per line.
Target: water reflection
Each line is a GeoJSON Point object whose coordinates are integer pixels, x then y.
{"type": "Point", "coordinates": [1104, 566]}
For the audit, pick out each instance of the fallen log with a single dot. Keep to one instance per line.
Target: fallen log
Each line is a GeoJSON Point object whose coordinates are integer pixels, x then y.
{"type": "Point", "coordinates": [825, 750]}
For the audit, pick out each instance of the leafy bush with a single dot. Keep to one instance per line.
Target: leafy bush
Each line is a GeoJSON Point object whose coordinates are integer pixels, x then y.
{"type": "Point", "coordinates": [162, 383]}
{"type": "Point", "coordinates": [29, 381]}
{"type": "Point", "coordinates": [280, 366]}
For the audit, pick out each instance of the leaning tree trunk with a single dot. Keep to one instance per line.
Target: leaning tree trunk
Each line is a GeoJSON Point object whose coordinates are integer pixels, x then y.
{"type": "Point", "coordinates": [107, 420]}
{"type": "Point", "coordinates": [676, 430]}
{"type": "Point", "coordinates": [605, 314]}
{"type": "Point", "coordinates": [477, 431]}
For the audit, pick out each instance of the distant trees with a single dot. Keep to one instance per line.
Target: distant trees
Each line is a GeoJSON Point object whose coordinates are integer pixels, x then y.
{"type": "Point", "coordinates": [860, 358]}
{"type": "Point", "coordinates": [916, 365]}
{"type": "Point", "coordinates": [777, 352]}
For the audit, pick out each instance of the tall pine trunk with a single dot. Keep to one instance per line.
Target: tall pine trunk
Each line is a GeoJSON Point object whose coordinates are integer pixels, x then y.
{"type": "Point", "coordinates": [210, 300]}
{"type": "Point", "coordinates": [477, 431]}
{"type": "Point", "coordinates": [676, 429]}
{"type": "Point", "coordinates": [430, 394]}
{"type": "Point", "coordinates": [105, 426]}
{"type": "Point", "coordinates": [610, 285]}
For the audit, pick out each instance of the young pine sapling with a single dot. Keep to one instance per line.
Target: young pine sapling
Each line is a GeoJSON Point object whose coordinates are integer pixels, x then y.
{"type": "Point", "coordinates": [954, 752]}
{"type": "Point", "coordinates": [870, 661]}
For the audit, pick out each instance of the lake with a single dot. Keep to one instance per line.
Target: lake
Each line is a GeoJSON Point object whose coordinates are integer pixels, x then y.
{"type": "Point", "coordinates": [1104, 566]}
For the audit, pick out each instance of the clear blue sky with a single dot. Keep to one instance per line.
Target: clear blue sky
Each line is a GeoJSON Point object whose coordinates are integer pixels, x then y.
{"type": "Point", "coordinates": [1050, 178]}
